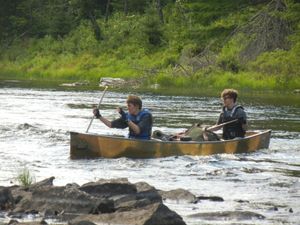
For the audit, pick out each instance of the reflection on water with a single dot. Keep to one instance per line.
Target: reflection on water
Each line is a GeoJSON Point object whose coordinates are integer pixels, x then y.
{"type": "Point", "coordinates": [34, 133]}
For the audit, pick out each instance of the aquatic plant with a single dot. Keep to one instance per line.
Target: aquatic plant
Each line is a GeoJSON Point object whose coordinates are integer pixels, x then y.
{"type": "Point", "coordinates": [25, 177]}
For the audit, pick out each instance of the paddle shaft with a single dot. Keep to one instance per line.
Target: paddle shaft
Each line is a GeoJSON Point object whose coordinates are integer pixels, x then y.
{"type": "Point", "coordinates": [216, 127]}
{"type": "Point", "coordinates": [87, 130]}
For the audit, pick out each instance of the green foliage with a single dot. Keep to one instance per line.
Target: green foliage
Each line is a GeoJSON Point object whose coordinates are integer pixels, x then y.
{"type": "Point", "coordinates": [229, 58]}
{"type": "Point", "coordinates": [25, 178]}
{"type": "Point", "coordinates": [60, 42]}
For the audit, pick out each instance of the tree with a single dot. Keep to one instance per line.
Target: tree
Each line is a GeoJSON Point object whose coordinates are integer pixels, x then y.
{"type": "Point", "coordinates": [159, 10]}
{"type": "Point", "coordinates": [87, 9]}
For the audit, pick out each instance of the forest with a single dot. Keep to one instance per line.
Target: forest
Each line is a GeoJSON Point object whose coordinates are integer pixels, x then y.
{"type": "Point", "coordinates": [246, 44]}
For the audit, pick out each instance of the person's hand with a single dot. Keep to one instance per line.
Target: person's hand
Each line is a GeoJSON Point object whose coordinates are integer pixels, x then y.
{"type": "Point", "coordinates": [96, 113]}
{"type": "Point", "coordinates": [122, 113]}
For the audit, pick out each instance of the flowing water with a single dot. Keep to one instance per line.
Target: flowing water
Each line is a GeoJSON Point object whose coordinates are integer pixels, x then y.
{"type": "Point", "coordinates": [34, 134]}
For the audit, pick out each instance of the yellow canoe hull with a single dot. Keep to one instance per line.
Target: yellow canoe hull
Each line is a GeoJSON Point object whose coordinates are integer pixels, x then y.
{"type": "Point", "coordinates": [85, 145]}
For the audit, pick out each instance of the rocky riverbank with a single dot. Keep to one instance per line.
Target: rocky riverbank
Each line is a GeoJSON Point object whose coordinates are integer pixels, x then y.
{"type": "Point", "coordinates": [109, 202]}
{"type": "Point", "coordinates": [105, 201]}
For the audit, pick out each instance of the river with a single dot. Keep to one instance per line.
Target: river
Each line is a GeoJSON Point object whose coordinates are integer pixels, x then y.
{"type": "Point", "coordinates": [34, 134]}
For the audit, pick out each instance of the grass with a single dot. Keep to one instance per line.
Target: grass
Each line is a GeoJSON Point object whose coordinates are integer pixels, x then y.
{"type": "Point", "coordinates": [25, 178]}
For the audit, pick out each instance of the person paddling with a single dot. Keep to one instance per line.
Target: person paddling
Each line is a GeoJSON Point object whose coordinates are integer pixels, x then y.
{"type": "Point", "coordinates": [137, 119]}
{"type": "Point", "coordinates": [231, 111]}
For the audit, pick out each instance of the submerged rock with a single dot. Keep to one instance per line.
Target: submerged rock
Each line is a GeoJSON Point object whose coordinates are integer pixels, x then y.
{"type": "Point", "coordinates": [178, 195]}
{"type": "Point", "coordinates": [228, 215]}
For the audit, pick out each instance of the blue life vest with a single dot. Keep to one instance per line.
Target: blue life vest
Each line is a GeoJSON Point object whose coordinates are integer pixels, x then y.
{"type": "Point", "coordinates": [145, 133]}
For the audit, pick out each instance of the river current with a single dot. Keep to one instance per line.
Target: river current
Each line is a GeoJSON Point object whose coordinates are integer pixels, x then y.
{"type": "Point", "coordinates": [34, 134]}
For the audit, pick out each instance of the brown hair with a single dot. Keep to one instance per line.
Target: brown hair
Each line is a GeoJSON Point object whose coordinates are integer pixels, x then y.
{"type": "Point", "coordinates": [231, 93]}
{"type": "Point", "coordinates": [135, 100]}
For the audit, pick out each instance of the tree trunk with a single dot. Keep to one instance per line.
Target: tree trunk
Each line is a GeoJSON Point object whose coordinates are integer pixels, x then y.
{"type": "Point", "coordinates": [159, 10]}
{"type": "Point", "coordinates": [95, 26]}
{"type": "Point", "coordinates": [125, 7]}
{"type": "Point", "coordinates": [107, 11]}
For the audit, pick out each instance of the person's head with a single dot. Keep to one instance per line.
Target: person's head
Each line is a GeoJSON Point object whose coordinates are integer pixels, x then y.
{"type": "Point", "coordinates": [229, 96]}
{"type": "Point", "coordinates": [134, 104]}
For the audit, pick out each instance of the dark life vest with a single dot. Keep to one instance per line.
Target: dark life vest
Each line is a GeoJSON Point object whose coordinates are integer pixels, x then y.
{"type": "Point", "coordinates": [234, 129]}
{"type": "Point", "coordinates": [145, 133]}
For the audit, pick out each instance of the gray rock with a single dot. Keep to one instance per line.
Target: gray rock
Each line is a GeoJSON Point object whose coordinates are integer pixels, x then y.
{"type": "Point", "coordinates": [228, 215]}
{"type": "Point", "coordinates": [178, 195]}
{"type": "Point", "coordinates": [154, 214]}
{"type": "Point", "coordinates": [55, 200]}
{"type": "Point", "coordinates": [6, 199]}
{"type": "Point", "coordinates": [109, 188]}
{"type": "Point", "coordinates": [82, 222]}
{"type": "Point", "coordinates": [43, 183]}
{"type": "Point", "coordinates": [112, 82]}
{"type": "Point", "coordinates": [210, 198]}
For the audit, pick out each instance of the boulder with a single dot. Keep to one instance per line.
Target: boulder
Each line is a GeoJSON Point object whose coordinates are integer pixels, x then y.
{"type": "Point", "coordinates": [179, 195]}
{"type": "Point", "coordinates": [57, 200]}
{"type": "Point", "coordinates": [6, 199]}
{"type": "Point", "coordinates": [111, 82]}
{"type": "Point", "coordinates": [109, 188]}
{"type": "Point", "coordinates": [154, 214]}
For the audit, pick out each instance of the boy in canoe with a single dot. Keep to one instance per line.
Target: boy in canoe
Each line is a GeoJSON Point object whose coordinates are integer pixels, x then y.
{"type": "Point", "coordinates": [138, 120]}
{"type": "Point", "coordinates": [232, 119]}
{"type": "Point", "coordinates": [233, 115]}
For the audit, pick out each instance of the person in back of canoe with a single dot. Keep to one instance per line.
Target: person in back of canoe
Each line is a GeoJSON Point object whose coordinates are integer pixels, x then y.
{"type": "Point", "coordinates": [231, 111]}
{"type": "Point", "coordinates": [137, 119]}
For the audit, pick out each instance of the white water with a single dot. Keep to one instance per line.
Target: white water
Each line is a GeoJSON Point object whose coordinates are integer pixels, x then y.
{"type": "Point", "coordinates": [34, 133]}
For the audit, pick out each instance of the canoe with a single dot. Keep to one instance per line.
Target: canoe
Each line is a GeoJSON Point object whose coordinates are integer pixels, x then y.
{"type": "Point", "coordinates": [85, 145]}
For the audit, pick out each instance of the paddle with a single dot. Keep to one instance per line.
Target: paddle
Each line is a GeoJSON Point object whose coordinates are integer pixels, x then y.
{"type": "Point", "coordinates": [87, 130]}
{"type": "Point", "coordinates": [216, 127]}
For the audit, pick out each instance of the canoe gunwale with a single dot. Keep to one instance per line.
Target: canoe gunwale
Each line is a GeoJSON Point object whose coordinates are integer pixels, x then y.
{"type": "Point", "coordinates": [120, 137]}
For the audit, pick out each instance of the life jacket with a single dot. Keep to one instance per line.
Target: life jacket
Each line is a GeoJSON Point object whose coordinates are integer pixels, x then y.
{"type": "Point", "coordinates": [146, 133]}
{"type": "Point", "coordinates": [234, 129]}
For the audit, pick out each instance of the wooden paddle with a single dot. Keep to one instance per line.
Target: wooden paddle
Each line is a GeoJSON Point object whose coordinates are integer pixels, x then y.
{"type": "Point", "coordinates": [218, 126]}
{"type": "Point", "coordinates": [87, 130]}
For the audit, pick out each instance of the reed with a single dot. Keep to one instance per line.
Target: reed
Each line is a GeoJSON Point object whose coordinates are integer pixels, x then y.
{"type": "Point", "coordinates": [25, 177]}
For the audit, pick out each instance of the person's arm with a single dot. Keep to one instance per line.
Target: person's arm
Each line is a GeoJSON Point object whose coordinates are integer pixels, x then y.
{"type": "Point", "coordinates": [135, 128]}
{"type": "Point", "coordinates": [145, 123]}
{"type": "Point", "coordinates": [105, 121]}
{"type": "Point", "coordinates": [97, 114]}
{"type": "Point", "coordinates": [242, 118]}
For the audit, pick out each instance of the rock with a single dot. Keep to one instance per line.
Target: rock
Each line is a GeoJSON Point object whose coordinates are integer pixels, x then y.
{"type": "Point", "coordinates": [13, 222]}
{"type": "Point", "coordinates": [228, 215]}
{"type": "Point", "coordinates": [126, 196]}
{"type": "Point", "coordinates": [109, 188]}
{"type": "Point", "coordinates": [75, 84]}
{"type": "Point", "coordinates": [296, 91]}
{"type": "Point", "coordinates": [114, 201]}
{"type": "Point", "coordinates": [112, 82]}
{"type": "Point", "coordinates": [43, 183]}
{"type": "Point", "coordinates": [55, 200]}
{"type": "Point", "coordinates": [83, 222]}
{"type": "Point", "coordinates": [154, 214]}
{"type": "Point", "coordinates": [211, 198]}
{"type": "Point", "coordinates": [178, 195]}
{"type": "Point", "coordinates": [6, 199]}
